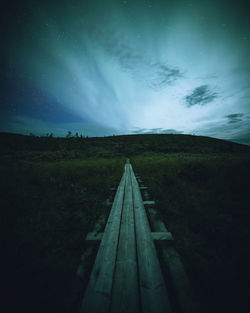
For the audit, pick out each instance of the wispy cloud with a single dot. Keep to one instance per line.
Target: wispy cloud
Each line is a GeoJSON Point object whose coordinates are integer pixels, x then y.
{"type": "Point", "coordinates": [156, 75]}
{"type": "Point", "coordinates": [235, 127]}
{"type": "Point", "coordinates": [200, 96]}
{"type": "Point", "coordinates": [133, 68]}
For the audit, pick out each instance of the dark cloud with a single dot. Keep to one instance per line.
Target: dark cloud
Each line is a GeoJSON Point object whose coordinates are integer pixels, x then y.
{"type": "Point", "coordinates": [235, 118]}
{"type": "Point", "coordinates": [157, 131]}
{"type": "Point", "coordinates": [171, 131]}
{"type": "Point", "coordinates": [139, 131]}
{"type": "Point", "coordinates": [201, 96]}
{"type": "Point", "coordinates": [164, 75]}
{"type": "Point", "coordinates": [154, 130]}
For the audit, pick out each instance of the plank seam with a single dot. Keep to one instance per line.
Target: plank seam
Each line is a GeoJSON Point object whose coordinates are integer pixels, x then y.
{"type": "Point", "coordinates": [109, 310]}
{"type": "Point", "coordinates": [137, 263]}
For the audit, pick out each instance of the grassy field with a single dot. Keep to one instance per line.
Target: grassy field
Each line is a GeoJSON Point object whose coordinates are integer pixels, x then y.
{"type": "Point", "coordinates": [204, 201]}
{"type": "Point", "coordinates": [47, 208]}
{"type": "Point", "coordinates": [54, 189]}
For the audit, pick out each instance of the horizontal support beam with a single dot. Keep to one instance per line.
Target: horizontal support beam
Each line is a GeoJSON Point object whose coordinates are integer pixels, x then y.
{"type": "Point", "coordinates": [162, 236]}
{"type": "Point", "coordinates": [148, 202]}
{"type": "Point", "coordinates": [157, 236]}
{"type": "Point", "coordinates": [93, 236]}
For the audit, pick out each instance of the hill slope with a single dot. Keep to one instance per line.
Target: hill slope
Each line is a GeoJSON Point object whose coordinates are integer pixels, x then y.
{"type": "Point", "coordinates": [121, 145]}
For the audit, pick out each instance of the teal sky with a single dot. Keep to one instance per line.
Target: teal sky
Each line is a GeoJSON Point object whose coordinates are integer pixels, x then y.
{"type": "Point", "coordinates": [109, 67]}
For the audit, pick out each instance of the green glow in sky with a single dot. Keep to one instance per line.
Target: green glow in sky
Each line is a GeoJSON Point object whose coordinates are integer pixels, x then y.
{"type": "Point", "coordinates": [134, 66]}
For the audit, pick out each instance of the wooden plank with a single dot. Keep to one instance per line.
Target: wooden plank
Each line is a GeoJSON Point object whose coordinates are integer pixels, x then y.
{"type": "Point", "coordinates": [93, 236]}
{"type": "Point", "coordinates": [149, 202]}
{"type": "Point", "coordinates": [125, 295]}
{"type": "Point", "coordinates": [182, 288]}
{"type": "Point", "coordinates": [162, 236]}
{"type": "Point", "coordinates": [98, 293]}
{"type": "Point", "coordinates": [184, 293]}
{"type": "Point", "coordinates": [81, 272]}
{"type": "Point", "coordinates": [153, 291]}
{"type": "Point", "coordinates": [82, 268]}
{"type": "Point", "coordinates": [156, 222]}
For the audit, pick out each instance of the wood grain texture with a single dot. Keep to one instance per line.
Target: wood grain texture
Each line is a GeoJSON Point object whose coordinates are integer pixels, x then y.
{"type": "Point", "coordinates": [92, 236]}
{"type": "Point", "coordinates": [126, 276]}
{"type": "Point", "coordinates": [98, 293]}
{"type": "Point", "coordinates": [181, 285]}
{"type": "Point", "coordinates": [154, 297]}
{"type": "Point", "coordinates": [125, 296]}
{"type": "Point", "coordinates": [162, 236]}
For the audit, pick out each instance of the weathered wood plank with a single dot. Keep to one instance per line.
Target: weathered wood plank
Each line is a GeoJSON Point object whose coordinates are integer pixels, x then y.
{"type": "Point", "coordinates": [125, 295]}
{"type": "Point", "coordinates": [153, 291]}
{"type": "Point", "coordinates": [93, 236]}
{"type": "Point", "coordinates": [183, 290]}
{"type": "Point", "coordinates": [82, 268]}
{"type": "Point", "coordinates": [162, 236]}
{"type": "Point", "coordinates": [98, 293]}
{"type": "Point", "coordinates": [156, 222]}
{"type": "Point", "coordinates": [149, 202]}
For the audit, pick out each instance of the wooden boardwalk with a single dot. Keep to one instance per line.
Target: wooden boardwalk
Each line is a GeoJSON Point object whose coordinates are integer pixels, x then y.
{"type": "Point", "coordinates": [126, 276]}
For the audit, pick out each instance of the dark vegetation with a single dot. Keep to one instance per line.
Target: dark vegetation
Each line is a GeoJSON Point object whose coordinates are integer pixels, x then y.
{"type": "Point", "coordinates": [54, 189]}
{"type": "Point", "coordinates": [204, 201]}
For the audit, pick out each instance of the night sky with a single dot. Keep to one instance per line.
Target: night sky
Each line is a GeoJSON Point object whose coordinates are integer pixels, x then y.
{"type": "Point", "coordinates": [101, 67]}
